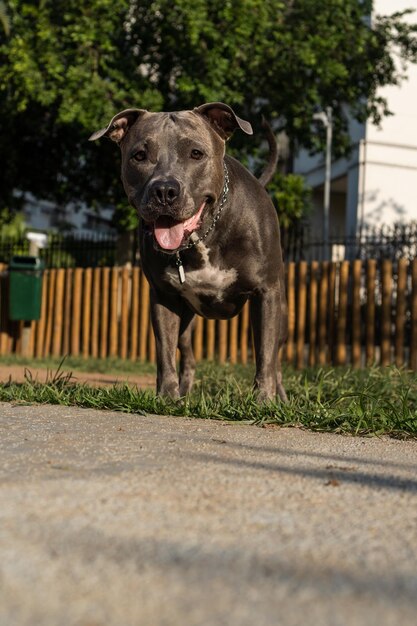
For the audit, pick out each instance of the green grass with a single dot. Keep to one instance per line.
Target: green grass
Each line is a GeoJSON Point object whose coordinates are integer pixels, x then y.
{"type": "Point", "coordinates": [362, 402]}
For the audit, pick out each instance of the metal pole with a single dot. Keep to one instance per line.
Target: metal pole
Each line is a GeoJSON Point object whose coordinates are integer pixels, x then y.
{"type": "Point", "coordinates": [327, 120]}
{"type": "Point", "coordinates": [327, 183]}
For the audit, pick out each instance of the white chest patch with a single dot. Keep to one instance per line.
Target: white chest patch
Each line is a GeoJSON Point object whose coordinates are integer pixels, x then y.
{"type": "Point", "coordinates": [209, 280]}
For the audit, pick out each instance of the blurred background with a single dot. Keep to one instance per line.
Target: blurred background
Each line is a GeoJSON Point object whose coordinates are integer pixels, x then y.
{"type": "Point", "coordinates": [336, 79]}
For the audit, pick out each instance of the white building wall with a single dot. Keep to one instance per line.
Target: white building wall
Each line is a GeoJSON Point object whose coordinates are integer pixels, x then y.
{"type": "Point", "coordinates": [390, 166]}
{"type": "Point", "coordinates": [381, 172]}
{"type": "Point", "coordinates": [46, 216]}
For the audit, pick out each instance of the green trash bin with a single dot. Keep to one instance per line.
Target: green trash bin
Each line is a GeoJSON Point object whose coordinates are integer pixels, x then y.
{"type": "Point", "coordinates": [25, 287]}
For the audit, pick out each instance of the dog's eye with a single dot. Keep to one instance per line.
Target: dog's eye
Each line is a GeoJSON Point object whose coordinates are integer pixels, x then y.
{"type": "Point", "coordinates": [140, 155]}
{"type": "Point", "coordinates": [196, 154]}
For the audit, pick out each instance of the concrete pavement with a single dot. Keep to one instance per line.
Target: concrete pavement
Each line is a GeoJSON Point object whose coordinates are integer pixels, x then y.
{"type": "Point", "coordinates": [115, 519]}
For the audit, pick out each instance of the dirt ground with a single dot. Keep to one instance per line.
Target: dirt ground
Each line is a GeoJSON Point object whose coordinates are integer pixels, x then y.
{"type": "Point", "coordinates": [17, 374]}
{"type": "Point", "coordinates": [112, 519]}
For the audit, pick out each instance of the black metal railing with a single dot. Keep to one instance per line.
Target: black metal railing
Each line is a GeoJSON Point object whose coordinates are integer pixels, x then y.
{"type": "Point", "coordinates": [386, 242]}
{"type": "Point", "coordinates": [298, 242]}
{"type": "Point", "coordinates": [66, 250]}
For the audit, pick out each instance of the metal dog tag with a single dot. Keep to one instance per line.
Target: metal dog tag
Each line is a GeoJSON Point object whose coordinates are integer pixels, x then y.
{"type": "Point", "coordinates": [181, 272]}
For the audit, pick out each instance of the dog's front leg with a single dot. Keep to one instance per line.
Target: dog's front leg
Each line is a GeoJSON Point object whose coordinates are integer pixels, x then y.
{"type": "Point", "coordinates": [166, 326]}
{"type": "Point", "coordinates": [268, 318]}
{"type": "Point", "coordinates": [187, 360]}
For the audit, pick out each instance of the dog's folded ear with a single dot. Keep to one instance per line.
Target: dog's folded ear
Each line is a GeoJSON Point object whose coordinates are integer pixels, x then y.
{"type": "Point", "coordinates": [118, 126]}
{"type": "Point", "coordinates": [223, 119]}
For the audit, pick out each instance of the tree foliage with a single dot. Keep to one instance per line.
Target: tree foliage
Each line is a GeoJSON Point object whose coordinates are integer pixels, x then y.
{"type": "Point", "coordinates": [67, 66]}
{"type": "Point", "coordinates": [291, 197]}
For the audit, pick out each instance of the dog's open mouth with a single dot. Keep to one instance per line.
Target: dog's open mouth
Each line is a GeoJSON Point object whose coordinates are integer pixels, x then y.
{"type": "Point", "coordinates": [170, 233]}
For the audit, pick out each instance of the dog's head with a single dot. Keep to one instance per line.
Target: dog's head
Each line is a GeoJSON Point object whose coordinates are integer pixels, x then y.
{"type": "Point", "coordinates": [172, 165]}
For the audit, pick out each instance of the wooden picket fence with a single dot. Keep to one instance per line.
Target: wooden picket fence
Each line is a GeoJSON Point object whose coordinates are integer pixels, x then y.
{"type": "Point", "coordinates": [354, 312]}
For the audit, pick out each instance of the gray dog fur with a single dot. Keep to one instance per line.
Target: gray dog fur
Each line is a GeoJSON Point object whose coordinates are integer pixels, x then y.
{"type": "Point", "coordinates": [209, 236]}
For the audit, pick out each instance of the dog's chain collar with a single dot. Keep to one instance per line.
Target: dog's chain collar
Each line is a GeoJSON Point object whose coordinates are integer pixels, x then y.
{"type": "Point", "coordinates": [196, 239]}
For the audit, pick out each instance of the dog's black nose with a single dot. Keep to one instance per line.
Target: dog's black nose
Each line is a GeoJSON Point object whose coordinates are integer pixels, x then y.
{"type": "Point", "coordinates": [165, 192]}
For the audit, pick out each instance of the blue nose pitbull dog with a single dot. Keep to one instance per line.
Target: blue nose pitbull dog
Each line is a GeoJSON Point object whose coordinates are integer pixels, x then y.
{"type": "Point", "coordinates": [209, 236]}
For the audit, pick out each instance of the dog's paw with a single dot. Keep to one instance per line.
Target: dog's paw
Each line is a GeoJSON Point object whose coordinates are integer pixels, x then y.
{"type": "Point", "coordinates": [170, 391]}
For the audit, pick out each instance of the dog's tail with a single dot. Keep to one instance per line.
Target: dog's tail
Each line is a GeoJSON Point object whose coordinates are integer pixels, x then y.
{"type": "Point", "coordinates": [271, 166]}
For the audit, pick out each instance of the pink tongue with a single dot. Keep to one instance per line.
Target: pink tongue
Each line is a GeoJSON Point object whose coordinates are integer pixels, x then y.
{"type": "Point", "coordinates": [168, 233]}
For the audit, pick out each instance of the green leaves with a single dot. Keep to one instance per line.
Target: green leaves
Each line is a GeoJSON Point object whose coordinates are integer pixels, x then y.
{"type": "Point", "coordinates": [291, 197]}
{"type": "Point", "coordinates": [68, 67]}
